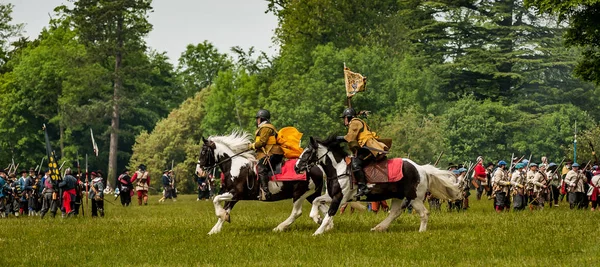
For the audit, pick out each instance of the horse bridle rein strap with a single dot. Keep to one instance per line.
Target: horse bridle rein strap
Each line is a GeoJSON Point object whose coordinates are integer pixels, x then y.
{"type": "Point", "coordinates": [312, 164]}
{"type": "Point", "coordinates": [224, 160]}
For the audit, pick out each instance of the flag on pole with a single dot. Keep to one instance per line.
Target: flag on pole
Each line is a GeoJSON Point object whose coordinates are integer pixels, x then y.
{"type": "Point", "coordinates": [355, 82]}
{"type": "Point", "coordinates": [52, 166]}
{"type": "Point", "coordinates": [94, 145]}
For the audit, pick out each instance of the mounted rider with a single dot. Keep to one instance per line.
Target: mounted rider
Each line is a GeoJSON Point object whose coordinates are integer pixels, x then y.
{"type": "Point", "coordinates": [268, 153]}
{"type": "Point", "coordinates": [364, 145]}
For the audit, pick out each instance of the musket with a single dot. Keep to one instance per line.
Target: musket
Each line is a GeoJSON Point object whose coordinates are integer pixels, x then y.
{"type": "Point", "coordinates": [512, 163]}
{"type": "Point", "coordinates": [579, 174]}
{"type": "Point", "coordinates": [86, 180]}
{"type": "Point", "coordinates": [61, 165]}
{"type": "Point", "coordinates": [438, 158]}
{"type": "Point", "coordinates": [173, 180]}
{"type": "Point", "coordinates": [79, 183]}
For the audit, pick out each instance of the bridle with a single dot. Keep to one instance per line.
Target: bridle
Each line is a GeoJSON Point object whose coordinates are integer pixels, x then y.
{"type": "Point", "coordinates": [312, 164]}
{"type": "Point", "coordinates": [211, 156]}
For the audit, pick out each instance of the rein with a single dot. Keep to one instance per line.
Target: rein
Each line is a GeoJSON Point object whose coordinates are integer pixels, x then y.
{"type": "Point", "coordinates": [222, 161]}
{"type": "Point", "coordinates": [312, 164]}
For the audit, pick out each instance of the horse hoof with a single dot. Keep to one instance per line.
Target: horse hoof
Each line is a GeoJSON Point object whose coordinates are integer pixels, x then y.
{"type": "Point", "coordinates": [227, 218]}
{"type": "Point", "coordinates": [378, 229]}
{"type": "Point", "coordinates": [319, 221]}
{"type": "Point", "coordinates": [277, 230]}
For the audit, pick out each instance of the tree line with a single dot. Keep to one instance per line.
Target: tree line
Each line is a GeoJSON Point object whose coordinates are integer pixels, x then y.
{"type": "Point", "coordinates": [465, 77]}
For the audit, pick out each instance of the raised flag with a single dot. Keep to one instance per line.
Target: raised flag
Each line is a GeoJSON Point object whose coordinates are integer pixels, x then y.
{"type": "Point", "coordinates": [52, 166]}
{"type": "Point", "coordinates": [94, 145]}
{"type": "Point", "coordinates": [355, 82]}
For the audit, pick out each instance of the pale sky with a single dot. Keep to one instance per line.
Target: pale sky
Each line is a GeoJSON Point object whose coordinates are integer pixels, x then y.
{"type": "Point", "coordinates": [177, 23]}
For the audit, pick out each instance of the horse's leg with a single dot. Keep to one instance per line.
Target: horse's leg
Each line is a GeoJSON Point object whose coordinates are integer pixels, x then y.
{"type": "Point", "coordinates": [296, 212]}
{"type": "Point", "coordinates": [221, 213]}
{"type": "Point", "coordinates": [396, 210]}
{"type": "Point", "coordinates": [319, 205]}
{"type": "Point", "coordinates": [336, 201]}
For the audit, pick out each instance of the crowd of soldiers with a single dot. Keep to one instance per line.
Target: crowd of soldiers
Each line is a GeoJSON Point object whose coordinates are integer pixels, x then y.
{"type": "Point", "coordinates": [34, 193]}
{"type": "Point", "coordinates": [524, 184]}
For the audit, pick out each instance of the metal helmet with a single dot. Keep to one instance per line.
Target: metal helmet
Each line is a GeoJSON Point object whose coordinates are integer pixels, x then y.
{"type": "Point", "coordinates": [263, 114]}
{"type": "Point", "coordinates": [502, 162]}
{"type": "Point", "coordinates": [348, 112]}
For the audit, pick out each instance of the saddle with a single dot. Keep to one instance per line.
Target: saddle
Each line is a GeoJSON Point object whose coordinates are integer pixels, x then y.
{"type": "Point", "coordinates": [384, 171]}
{"type": "Point", "coordinates": [287, 172]}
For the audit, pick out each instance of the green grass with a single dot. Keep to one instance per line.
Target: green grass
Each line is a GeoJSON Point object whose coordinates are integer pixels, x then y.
{"type": "Point", "coordinates": [174, 233]}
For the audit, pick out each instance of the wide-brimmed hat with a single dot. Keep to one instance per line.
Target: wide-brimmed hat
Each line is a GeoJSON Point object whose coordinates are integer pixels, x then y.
{"type": "Point", "coordinates": [23, 171]}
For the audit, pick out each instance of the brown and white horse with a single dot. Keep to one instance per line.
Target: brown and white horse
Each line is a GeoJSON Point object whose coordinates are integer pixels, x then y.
{"type": "Point", "coordinates": [230, 153]}
{"type": "Point", "coordinates": [410, 189]}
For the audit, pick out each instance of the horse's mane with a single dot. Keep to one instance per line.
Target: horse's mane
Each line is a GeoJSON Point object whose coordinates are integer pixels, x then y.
{"type": "Point", "coordinates": [333, 144]}
{"type": "Point", "coordinates": [237, 142]}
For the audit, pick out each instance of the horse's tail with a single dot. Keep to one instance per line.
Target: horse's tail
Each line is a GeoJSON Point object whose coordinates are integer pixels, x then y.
{"type": "Point", "coordinates": [440, 183]}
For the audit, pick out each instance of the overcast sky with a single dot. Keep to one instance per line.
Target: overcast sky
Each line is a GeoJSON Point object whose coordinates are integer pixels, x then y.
{"type": "Point", "coordinates": [177, 23]}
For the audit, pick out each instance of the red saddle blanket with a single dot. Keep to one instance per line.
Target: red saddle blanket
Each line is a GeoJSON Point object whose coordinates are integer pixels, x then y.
{"type": "Point", "coordinates": [385, 171]}
{"type": "Point", "coordinates": [288, 173]}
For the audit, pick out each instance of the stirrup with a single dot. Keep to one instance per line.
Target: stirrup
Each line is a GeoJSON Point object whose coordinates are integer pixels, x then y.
{"type": "Point", "coordinates": [265, 195]}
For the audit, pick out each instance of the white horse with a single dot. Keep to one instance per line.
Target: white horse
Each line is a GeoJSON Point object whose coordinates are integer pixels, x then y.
{"type": "Point", "coordinates": [410, 189]}
{"type": "Point", "coordinates": [230, 154]}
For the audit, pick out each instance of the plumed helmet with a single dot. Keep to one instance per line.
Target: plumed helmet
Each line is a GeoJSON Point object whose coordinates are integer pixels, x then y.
{"type": "Point", "coordinates": [502, 162]}
{"type": "Point", "coordinates": [348, 112]}
{"type": "Point", "coordinates": [263, 114]}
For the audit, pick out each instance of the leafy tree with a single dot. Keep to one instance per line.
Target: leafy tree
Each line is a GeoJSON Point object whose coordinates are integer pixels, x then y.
{"type": "Point", "coordinates": [199, 65]}
{"type": "Point", "coordinates": [583, 31]}
{"type": "Point", "coordinates": [176, 138]}
{"type": "Point", "coordinates": [7, 31]}
{"type": "Point", "coordinates": [113, 29]}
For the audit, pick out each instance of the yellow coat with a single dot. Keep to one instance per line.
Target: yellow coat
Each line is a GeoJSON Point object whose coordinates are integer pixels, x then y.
{"type": "Point", "coordinates": [360, 135]}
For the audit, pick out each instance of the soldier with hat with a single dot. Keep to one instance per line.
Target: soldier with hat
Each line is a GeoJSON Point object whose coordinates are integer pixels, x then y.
{"type": "Point", "coordinates": [518, 182]}
{"type": "Point", "coordinates": [125, 188]}
{"type": "Point", "coordinates": [4, 191]}
{"type": "Point", "coordinates": [141, 178]}
{"type": "Point", "coordinates": [364, 145]}
{"type": "Point", "coordinates": [502, 187]}
{"type": "Point", "coordinates": [575, 182]}
{"type": "Point", "coordinates": [555, 180]}
{"type": "Point", "coordinates": [540, 188]}
{"type": "Point", "coordinates": [166, 182]}
{"type": "Point", "coordinates": [268, 153]}
{"type": "Point", "coordinates": [21, 192]}
{"type": "Point", "coordinates": [49, 197]}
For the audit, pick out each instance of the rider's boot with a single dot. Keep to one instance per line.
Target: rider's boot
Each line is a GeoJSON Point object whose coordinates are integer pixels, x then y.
{"type": "Point", "coordinates": [264, 188]}
{"type": "Point", "coordinates": [363, 190]}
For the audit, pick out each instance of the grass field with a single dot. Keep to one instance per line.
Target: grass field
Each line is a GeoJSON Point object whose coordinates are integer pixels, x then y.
{"type": "Point", "coordinates": [174, 234]}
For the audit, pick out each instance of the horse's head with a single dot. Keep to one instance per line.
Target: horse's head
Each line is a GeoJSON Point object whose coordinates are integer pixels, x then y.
{"type": "Point", "coordinates": [207, 154]}
{"type": "Point", "coordinates": [309, 156]}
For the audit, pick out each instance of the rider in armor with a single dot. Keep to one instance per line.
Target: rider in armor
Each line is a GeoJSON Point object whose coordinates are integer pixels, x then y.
{"type": "Point", "coordinates": [268, 152]}
{"type": "Point", "coordinates": [364, 145]}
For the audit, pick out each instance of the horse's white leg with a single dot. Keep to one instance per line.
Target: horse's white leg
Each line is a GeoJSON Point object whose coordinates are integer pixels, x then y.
{"type": "Point", "coordinates": [326, 221]}
{"type": "Point", "coordinates": [296, 212]}
{"type": "Point", "coordinates": [319, 205]}
{"type": "Point", "coordinates": [395, 211]}
{"type": "Point", "coordinates": [423, 212]}
{"type": "Point", "coordinates": [220, 212]}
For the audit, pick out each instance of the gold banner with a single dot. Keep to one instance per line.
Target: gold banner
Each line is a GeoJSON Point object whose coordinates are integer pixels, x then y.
{"type": "Point", "coordinates": [355, 82]}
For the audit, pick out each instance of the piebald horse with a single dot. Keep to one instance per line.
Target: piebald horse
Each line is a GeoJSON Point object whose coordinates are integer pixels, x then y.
{"type": "Point", "coordinates": [410, 189]}
{"type": "Point", "coordinates": [230, 154]}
